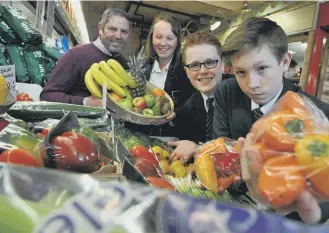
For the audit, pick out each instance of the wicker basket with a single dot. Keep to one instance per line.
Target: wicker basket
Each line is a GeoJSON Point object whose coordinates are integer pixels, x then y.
{"type": "Point", "coordinates": [123, 114]}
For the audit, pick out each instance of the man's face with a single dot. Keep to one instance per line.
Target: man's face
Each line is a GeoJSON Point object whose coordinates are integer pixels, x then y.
{"type": "Point", "coordinates": [115, 33]}
{"type": "Point", "coordinates": [259, 73]}
{"type": "Point", "coordinates": [204, 79]}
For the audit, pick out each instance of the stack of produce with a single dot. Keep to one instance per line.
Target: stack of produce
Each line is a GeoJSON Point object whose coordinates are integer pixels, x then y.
{"type": "Point", "coordinates": [291, 153]}
{"type": "Point", "coordinates": [147, 160]}
{"type": "Point", "coordinates": [65, 145]}
{"type": "Point", "coordinates": [21, 45]}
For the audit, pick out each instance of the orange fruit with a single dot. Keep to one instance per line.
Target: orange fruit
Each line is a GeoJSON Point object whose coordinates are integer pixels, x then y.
{"type": "Point", "coordinates": [158, 92]}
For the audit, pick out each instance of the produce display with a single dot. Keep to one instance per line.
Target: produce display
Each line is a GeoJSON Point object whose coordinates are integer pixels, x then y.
{"type": "Point", "coordinates": [291, 152]}
{"type": "Point", "coordinates": [45, 202]}
{"type": "Point", "coordinates": [65, 145]}
{"type": "Point", "coordinates": [146, 160]}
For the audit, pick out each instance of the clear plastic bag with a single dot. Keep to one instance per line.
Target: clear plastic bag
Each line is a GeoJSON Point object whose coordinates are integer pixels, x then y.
{"type": "Point", "coordinates": [50, 201]}
{"type": "Point", "coordinates": [289, 153]}
{"type": "Point", "coordinates": [217, 164]}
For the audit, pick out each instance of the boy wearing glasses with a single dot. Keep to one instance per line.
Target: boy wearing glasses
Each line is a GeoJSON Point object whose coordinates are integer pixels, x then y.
{"type": "Point", "coordinates": [258, 53]}
{"type": "Point", "coordinates": [200, 54]}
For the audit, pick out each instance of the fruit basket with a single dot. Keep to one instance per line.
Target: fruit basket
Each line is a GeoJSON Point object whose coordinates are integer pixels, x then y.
{"type": "Point", "coordinates": [125, 114]}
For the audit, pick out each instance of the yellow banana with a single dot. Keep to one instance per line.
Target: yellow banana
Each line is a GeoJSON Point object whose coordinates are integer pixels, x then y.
{"type": "Point", "coordinates": [3, 90]}
{"type": "Point", "coordinates": [110, 73]}
{"type": "Point", "coordinates": [101, 78]}
{"type": "Point", "coordinates": [92, 86]}
{"type": "Point", "coordinates": [116, 66]}
{"type": "Point", "coordinates": [129, 97]}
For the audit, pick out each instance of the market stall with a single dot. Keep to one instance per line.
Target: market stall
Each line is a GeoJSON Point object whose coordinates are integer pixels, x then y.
{"type": "Point", "coordinates": [75, 168]}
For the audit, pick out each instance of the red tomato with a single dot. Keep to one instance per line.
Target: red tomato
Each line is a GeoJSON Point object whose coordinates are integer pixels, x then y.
{"type": "Point", "coordinates": [22, 97]}
{"type": "Point", "coordinates": [45, 131]}
{"type": "Point", "coordinates": [75, 152]}
{"type": "Point", "coordinates": [18, 156]}
{"type": "Point", "coordinates": [140, 152]}
{"type": "Point", "coordinates": [28, 99]}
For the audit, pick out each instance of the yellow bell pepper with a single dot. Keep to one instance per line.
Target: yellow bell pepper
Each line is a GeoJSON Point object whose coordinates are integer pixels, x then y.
{"type": "Point", "coordinates": [206, 170]}
{"type": "Point", "coordinates": [3, 90]}
{"type": "Point", "coordinates": [312, 153]}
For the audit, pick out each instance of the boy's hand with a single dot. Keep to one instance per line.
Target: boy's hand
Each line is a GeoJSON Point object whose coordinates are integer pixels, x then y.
{"type": "Point", "coordinates": [184, 150]}
{"type": "Point", "coordinates": [306, 205]}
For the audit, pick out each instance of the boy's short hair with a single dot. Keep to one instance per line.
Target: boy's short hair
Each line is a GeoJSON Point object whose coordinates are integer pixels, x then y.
{"type": "Point", "coordinates": [199, 38]}
{"type": "Point", "coordinates": [255, 32]}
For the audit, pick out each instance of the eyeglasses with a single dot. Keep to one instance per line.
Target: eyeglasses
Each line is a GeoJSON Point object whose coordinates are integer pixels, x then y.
{"type": "Point", "coordinates": [195, 66]}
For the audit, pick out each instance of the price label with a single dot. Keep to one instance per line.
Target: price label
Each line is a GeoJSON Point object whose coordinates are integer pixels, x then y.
{"type": "Point", "coordinates": [8, 72]}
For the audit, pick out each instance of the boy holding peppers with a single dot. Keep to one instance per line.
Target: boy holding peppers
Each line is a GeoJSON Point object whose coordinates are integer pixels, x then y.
{"type": "Point", "coordinates": [258, 53]}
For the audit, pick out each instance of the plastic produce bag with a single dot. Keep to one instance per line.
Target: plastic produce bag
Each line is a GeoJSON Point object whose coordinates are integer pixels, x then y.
{"type": "Point", "coordinates": [21, 25]}
{"type": "Point", "coordinates": [52, 52]}
{"type": "Point", "coordinates": [7, 35]}
{"type": "Point", "coordinates": [291, 152]}
{"type": "Point", "coordinates": [19, 146]}
{"type": "Point", "coordinates": [217, 163]}
{"type": "Point", "coordinates": [3, 56]}
{"type": "Point", "coordinates": [16, 57]}
{"type": "Point", "coordinates": [50, 65]}
{"type": "Point", "coordinates": [49, 203]}
{"type": "Point", "coordinates": [69, 147]}
{"type": "Point", "coordinates": [35, 64]}
{"type": "Point", "coordinates": [44, 110]}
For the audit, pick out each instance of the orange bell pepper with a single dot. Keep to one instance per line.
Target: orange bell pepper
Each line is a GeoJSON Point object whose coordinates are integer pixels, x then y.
{"type": "Point", "coordinates": [281, 130]}
{"type": "Point", "coordinates": [280, 180]}
{"type": "Point", "coordinates": [206, 170]}
{"type": "Point", "coordinates": [214, 146]}
{"type": "Point", "coordinates": [294, 102]}
{"type": "Point", "coordinates": [312, 152]}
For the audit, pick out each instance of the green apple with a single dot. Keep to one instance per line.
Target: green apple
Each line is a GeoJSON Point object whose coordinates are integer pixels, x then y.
{"type": "Point", "coordinates": [148, 112]}
{"type": "Point", "coordinates": [150, 100]}
{"type": "Point", "coordinates": [126, 103]}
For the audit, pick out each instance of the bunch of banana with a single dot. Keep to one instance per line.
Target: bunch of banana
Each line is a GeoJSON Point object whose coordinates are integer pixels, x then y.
{"type": "Point", "coordinates": [112, 74]}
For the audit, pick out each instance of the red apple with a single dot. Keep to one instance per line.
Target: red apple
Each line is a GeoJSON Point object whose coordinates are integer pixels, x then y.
{"type": "Point", "coordinates": [139, 102]}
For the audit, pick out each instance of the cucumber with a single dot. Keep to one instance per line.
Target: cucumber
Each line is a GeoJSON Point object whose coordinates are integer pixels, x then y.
{"type": "Point", "coordinates": [44, 110]}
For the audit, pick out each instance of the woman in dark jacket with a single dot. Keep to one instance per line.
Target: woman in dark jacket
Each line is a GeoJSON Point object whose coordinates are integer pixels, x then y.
{"type": "Point", "coordinates": [163, 47]}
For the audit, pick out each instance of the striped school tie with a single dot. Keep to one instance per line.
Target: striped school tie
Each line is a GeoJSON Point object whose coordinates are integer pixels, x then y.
{"type": "Point", "coordinates": [210, 116]}
{"type": "Point", "coordinates": [256, 114]}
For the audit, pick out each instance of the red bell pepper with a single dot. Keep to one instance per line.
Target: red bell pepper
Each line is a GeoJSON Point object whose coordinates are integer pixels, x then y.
{"type": "Point", "coordinates": [140, 152]}
{"type": "Point", "coordinates": [18, 156]}
{"type": "Point", "coordinates": [73, 151]}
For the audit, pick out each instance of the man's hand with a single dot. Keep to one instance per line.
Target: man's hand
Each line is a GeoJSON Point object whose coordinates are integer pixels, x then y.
{"type": "Point", "coordinates": [184, 150]}
{"type": "Point", "coordinates": [306, 205]}
{"type": "Point", "coordinates": [93, 101]}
